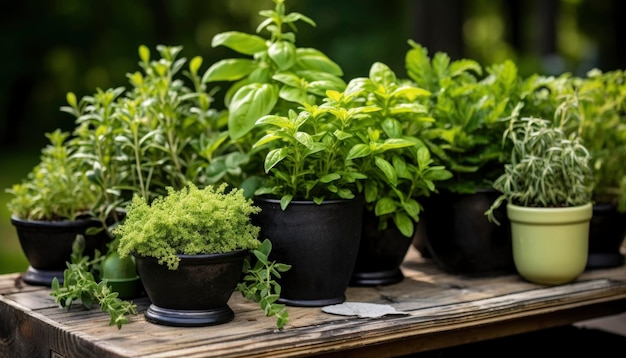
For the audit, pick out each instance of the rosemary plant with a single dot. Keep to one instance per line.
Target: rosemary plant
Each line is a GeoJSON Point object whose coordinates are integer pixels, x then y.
{"type": "Point", "coordinates": [546, 168]}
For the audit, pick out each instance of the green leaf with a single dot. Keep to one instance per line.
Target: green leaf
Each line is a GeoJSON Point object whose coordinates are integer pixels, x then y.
{"type": "Point", "coordinates": [385, 206]}
{"type": "Point", "coordinates": [243, 43]}
{"type": "Point", "coordinates": [250, 103]}
{"type": "Point", "coordinates": [387, 169]}
{"type": "Point", "coordinates": [274, 157]}
{"type": "Point", "coordinates": [283, 53]}
{"type": "Point", "coordinates": [404, 224]}
{"type": "Point", "coordinates": [359, 151]}
{"type": "Point", "coordinates": [314, 60]}
{"type": "Point", "coordinates": [229, 70]}
{"type": "Point", "coordinates": [294, 94]}
{"type": "Point", "coordinates": [278, 121]}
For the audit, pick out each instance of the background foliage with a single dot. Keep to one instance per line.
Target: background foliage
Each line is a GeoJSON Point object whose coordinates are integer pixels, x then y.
{"type": "Point", "coordinates": [51, 47]}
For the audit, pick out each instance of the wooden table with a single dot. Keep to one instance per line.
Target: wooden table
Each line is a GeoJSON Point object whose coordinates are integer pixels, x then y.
{"type": "Point", "coordinates": [443, 310]}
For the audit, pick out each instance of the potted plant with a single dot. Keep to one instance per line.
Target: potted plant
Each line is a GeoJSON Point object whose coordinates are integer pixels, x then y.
{"type": "Point", "coordinates": [161, 132]}
{"type": "Point", "coordinates": [50, 207]}
{"type": "Point", "coordinates": [547, 188]}
{"type": "Point", "coordinates": [190, 247]}
{"type": "Point", "coordinates": [471, 106]}
{"type": "Point", "coordinates": [270, 75]}
{"type": "Point", "coordinates": [593, 108]}
{"type": "Point", "coordinates": [398, 176]}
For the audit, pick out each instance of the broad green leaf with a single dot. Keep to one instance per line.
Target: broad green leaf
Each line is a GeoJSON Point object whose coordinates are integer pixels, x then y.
{"type": "Point", "coordinates": [409, 92]}
{"type": "Point", "coordinates": [283, 53]}
{"type": "Point", "coordinates": [305, 139]}
{"type": "Point", "coordinates": [385, 206]}
{"type": "Point", "coordinates": [404, 224]}
{"type": "Point", "coordinates": [314, 60]}
{"type": "Point", "coordinates": [359, 151]}
{"type": "Point", "coordinates": [387, 169]}
{"type": "Point", "coordinates": [250, 103]}
{"type": "Point", "coordinates": [330, 177]}
{"type": "Point", "coordinates": [288, 78]}
{"type": "Point", "coordinates": [274, 157]}
{"type": "Point", "coordinates": [278, 121]}
{"type": "Point", "coordinates": [294, 94]}
{"type": "Point", "coordinates": [381, 74]}
{"type": "Point", "coordinates": [243, 43]}
{"type": "Point", "coordinates": [231, 69]}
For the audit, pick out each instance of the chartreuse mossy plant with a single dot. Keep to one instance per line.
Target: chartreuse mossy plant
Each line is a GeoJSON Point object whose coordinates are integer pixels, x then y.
{"type": "Point", "coordinates": [203, 221]}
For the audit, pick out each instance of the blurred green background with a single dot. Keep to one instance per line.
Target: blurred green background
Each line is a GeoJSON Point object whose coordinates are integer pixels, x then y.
{"type": "Point", "coordinates": [51, 47]}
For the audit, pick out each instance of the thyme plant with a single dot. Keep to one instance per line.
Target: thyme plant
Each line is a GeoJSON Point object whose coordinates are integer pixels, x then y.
{"type": "Point", "coordinates": [546, 168]}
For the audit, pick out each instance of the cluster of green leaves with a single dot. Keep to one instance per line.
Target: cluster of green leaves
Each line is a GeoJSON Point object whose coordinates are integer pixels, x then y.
{"type": "Point", "coordinates": [55, 189]}
{"type": "Point", "coordinates": [80, 284]}
{"type": "Point", "coordinates": [594, 108]}
{"type": "Point", "coordinates": [259, 283]}
{"type": "Point", "coordinates": [160, 133]}
{"type": "Point", "coordinates": [188, 221]}
{"type": "Point", "coordinates": [364, 140]}
{"type": "Point", "coordinates": [547, 168]}
{"type": "Point", "coordinates": [407, 172]}
{"type": "Point", "coordinates": [471, 112]}
{"type": "Point", "coordinates": [279, 76]}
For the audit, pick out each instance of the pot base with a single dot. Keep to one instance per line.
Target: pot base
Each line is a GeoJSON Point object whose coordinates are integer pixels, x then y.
{"type": "Point", "coordinates": [312, 303]}
{"type": "Point", "coordinates": [36, 277]}
{"type": "Point", "coordinates": [189, 318]}
{"type": "Point", "coordinates": [376, 278]}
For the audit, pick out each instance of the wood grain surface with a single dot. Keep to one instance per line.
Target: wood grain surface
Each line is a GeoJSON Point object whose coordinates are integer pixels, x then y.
{"type": "Point", "coordinates": [443, 310]}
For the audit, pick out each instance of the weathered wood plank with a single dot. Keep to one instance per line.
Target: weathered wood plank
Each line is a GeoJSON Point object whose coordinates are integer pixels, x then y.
{"type": "Point", "coordinates": [442, 310]}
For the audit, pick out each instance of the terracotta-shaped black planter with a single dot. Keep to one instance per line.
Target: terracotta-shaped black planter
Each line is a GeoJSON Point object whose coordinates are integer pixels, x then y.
{"type": "Point", "coordinates": [460, 238]}
{"type": "Point", "coordinates": [47, 246]}
{"type": "Point", "coordinates": [196, 294]}
{"type": "Point", "coordinates": [320, 242]}
{"type": "Point", "coordinates": [606, 235]}
{"type": "Point", "coordinates": [381, 253]}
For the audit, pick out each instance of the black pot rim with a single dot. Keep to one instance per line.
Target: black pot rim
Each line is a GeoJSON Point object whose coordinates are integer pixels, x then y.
{"type": "Point", "coordinates": [60, 223]}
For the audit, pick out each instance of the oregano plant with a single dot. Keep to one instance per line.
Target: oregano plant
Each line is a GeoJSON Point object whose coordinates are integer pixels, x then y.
{"type": "Point", "coordinates": [80, 284]}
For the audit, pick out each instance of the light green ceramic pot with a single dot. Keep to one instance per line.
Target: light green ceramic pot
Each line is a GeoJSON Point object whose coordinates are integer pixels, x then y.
{"type": "Point", "coordinates": [550, 245]}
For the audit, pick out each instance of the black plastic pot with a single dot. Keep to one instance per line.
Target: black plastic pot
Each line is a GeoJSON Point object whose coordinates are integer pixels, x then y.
{"type": "Point", "coordinates": [381, 253]}
{"type": "Point", "coordinates": [47, 246]}
{"type": "Point", "coordinates": [196, 294]}
{"type": "Point", "coordinates": [606, 235]}
{"type": "Point", "coordinates": [460, 238]}
{"type": "Point", "coordinates": [321, 243]}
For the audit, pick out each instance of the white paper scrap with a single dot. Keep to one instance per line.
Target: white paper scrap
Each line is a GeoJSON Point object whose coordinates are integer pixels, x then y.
{"type": "Point", "coordinates": [361, 309]}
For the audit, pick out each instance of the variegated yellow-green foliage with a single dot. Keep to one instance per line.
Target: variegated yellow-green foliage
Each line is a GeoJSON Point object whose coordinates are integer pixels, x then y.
{"type": "Point", "coordinates": [188, 221]}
